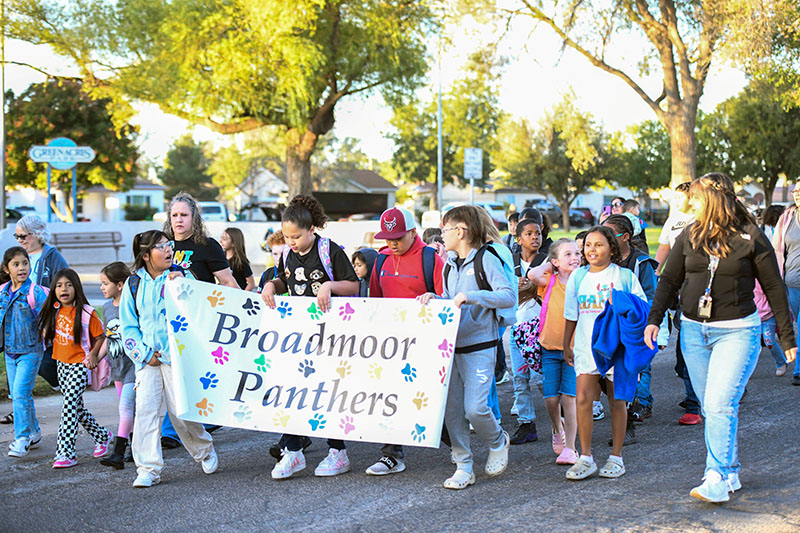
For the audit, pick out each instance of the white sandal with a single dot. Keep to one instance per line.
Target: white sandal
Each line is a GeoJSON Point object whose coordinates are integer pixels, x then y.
{"type": "Point", "coordinates": [612, 469]}
{"type": "Point", "coordinates": [460, 480]}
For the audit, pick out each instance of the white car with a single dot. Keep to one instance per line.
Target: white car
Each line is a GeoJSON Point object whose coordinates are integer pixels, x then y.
{"type": "Point", "coordinates": [214, 212]}
{"type": "Point", "coordinates": [495, 209]}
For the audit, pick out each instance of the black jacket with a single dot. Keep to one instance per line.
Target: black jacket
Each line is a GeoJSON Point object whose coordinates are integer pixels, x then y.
{"type": "Point", "coordinates": [752, 257]}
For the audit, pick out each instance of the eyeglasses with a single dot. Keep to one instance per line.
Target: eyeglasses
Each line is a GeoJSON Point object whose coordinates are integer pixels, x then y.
{"type": "Point", "coordinates": [22, 237]}
{"type": "Point", "coordinates": [445, 230]}
{"type": "Point", "coordinates": [164, 245]}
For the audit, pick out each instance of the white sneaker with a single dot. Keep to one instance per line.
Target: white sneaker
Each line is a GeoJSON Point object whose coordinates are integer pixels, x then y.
{"type": "Point", "coordinates": [143, 481]}
{"type": "Point", "coordinates": [36, 439]}
{"type": "Point", "coordinates": [498, 459]}
{"type": "Point", "coordinates": [290, 463]}
{"type": "Point", "coordinates": [334, 464]}
{"type": "Point", "coordinates": [733, 482]}
{"type": "Point", "coordinates": [713, 489]}
{"type": "Point", "coordinates": [210, 463]}
{"type": "Point", "coordinates": [598, 413]}
{"type": "Point", "coordinates": [20, 447]}
{"type": "Point", "coordinates": [504, 379]}
{"type": "Point", "coordinates": [386, 465]}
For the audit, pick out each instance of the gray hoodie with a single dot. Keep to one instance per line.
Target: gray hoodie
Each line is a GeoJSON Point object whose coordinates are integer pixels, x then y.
{"type": "Point", "coordinates": [478, 322]}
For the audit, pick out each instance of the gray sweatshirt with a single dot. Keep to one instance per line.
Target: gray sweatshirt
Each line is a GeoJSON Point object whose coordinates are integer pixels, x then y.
{"type": "Point", "coordinates": [478, 323]}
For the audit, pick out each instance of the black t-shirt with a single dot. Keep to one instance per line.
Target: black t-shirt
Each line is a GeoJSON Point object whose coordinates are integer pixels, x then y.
{"type": "Point", "coordinates": [202, 259]}
{"type": "Point", "coordinates": [241, 274]}
{"type": "Point", "coordinates": [305, 274]}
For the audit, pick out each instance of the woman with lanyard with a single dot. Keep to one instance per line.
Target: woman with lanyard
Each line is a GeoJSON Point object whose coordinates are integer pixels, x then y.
{"type": "Point", "coordinates": [719, 257]}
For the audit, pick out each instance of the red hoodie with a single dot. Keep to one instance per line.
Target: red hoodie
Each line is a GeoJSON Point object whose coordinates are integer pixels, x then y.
{"type": "Point", "coordinates": [409, 282]}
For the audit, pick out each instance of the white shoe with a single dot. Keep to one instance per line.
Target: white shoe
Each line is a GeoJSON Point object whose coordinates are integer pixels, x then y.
{"type": "Point", "coordinates": [598, 413]}
{"type": "Point", "coordinates": [733, 482]}
{"type": "Point", "coordinates": [386, 465]}
{"type": "Point", "coordinates": [713, 489]}
{"type": "Point", "coordinates": [210, 463]}
{"type": "Point", "coordinates": [143, 481]}
{"type": "Point", "coordinates": [504, 379]}
{"type": "Point", "coordinates": [460, 480]}
{"type": "Point", "coordinates": [290, 463]}
{"type": "Point", "coordinates": [334, 464]}
{"type": "Point", "coordinates": [36, 439]}
{"type": "Point", "coordinates": [20, 447]}
{"type": "Point", "coordinates": [498, 459]}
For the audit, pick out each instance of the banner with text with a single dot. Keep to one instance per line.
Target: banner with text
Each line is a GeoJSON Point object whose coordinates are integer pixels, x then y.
{"type": "Point", "coordinates": [370, 369]}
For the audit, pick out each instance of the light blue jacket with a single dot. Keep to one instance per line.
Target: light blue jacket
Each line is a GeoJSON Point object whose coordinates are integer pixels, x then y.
{"type": "Point", "coordinates": [20, 334]}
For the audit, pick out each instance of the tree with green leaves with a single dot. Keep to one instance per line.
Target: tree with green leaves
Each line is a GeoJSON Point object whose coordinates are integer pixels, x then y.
{"type": "Point", "coordinates": [239, 65]}
{"type": "Point", "coordinates": [186, 169]}
{"type": "Point", "coordinates": [641, 159]}
{"type": "Point", "coordinates": [61, 108]}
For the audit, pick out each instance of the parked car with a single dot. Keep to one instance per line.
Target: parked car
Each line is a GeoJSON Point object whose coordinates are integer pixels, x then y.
{"type": "Point", "coordinates": [214, 212]}
{"type": "Point", "coordinates": [586, 215]}
{"type": "Point", "coordinates": [27, 210]}
{"type": "Point", "coordinates": [496, 210]}
{"type": "Point", "coordinates": [12, 215]}
{"type": "Point", "coordinates": [546, 207]}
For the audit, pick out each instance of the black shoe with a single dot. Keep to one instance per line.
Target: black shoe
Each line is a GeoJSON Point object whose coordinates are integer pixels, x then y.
{"type": "Point", "coordinates": [168, 443]}
{"type": "Point", "coordinates": [212, 429]}
{"type": "Point", "coordinates": [683, 403]}
{"type": "Point", "coordinates": [796, 380]}
{"type": "Point", "coordinates": [117, 458]}
{"type": "Point", "coordinates": [525, 433]}
{"type": "Point", "coordinates": [275, 449]}
{"type": "Point", "coordinates": [638, 412]}
{"type": "Point", "coordinates": [630, 436]}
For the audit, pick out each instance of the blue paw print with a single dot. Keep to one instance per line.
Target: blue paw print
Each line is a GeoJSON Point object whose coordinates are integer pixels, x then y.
{"type": "Point", "coordinates": [409, 372]}
{"type": "Point", "coordinates": [285, 310]}
{"type": "Point", "coordinates": [178, 324]}
{"type": "Point", "coordinates": [306, 368]}
{"type": "Point", "coordinates": [418, 433]}
{"type": "Point", "coordinates": [446, 316]}
{"type": "Point", "coordinates": [209, 381]}
{"type": "Point", "coordinates": [317, 422]}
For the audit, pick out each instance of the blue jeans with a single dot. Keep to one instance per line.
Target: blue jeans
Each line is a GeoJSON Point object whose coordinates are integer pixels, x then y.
{"type": "Point", "coordinates": [522, 386]}
{"type": "Point", "coordinates": [643, 394]}
{"type": "Point", "coordinates": [768, 328]}
{"type": "Point", "coordinates": [720, 361]}
{"type": "Point", "coordinates": [794, 307]}
{"type": "Point", "coordinates": [21, 377]}
{"type": "Point", "coordinates": [559, 377]}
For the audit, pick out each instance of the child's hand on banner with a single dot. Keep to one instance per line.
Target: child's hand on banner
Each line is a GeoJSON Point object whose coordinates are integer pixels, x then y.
{"type": "Point", "coordinates": [425, 298]}
{"type": "Point", "coordinates": [173, 275]}
{"type": "Point", "coordinates": [324, 297]}
{"type": "Point", "coordinates": [268, 294]}
{"type": "Point", "coordinates": [460, 300]}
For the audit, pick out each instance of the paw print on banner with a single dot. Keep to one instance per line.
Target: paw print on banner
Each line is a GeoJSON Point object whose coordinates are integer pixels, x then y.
{"type": "Point", "coordinates": [343, 369]}
{"type": "Point", "coordinates": [184, 292]}
{"type": "Point", "coordinates": [204, 407]}
{"type": "Point", "coordinates": [420, 400]}
{"type": "Point", "coordinates": [220, 356]}
{"type": "Point", "coordinates": [442, 375]}
{"type": "Point", "coordinates": [316, 422]}
{"type": "Point", "coordinates": [446, 315]}
{"type": "Point", "coordinates": [409, 373]}
{"type": "Point", "coordinates": [262, 363]}
{"type": "Point", "coordinates": [314, 311]}
{"type": "Point", "coordinates": [400, 315]}
{"type": "Point", "coordinates": [418, 433]}
{"type": "Point", "coordinates": [346, 424]}
{"type": "Point", "coordinates": [425, 314]}
{"type": "Point", "coordinates": [216, 298]}
{"type": "Point", "coordinates": [306, 368]}
{"type": "Point", "coordinates": [244, 413]}
{"type": "Point", "coordinates": [446, 348]}
{"type": "Point", "coordinates": [251, 307]}
{"type": "Point", "coordinates": [284, 310]}
{"type": "Point", "coordinates": [281, 419]}
{"type": "Point", "coordinates": [209, 381]}
{"type": "Point", "coordinates": [346, 312]}
{"type": "Point", "coordinates": [375, 371]}
{"type": "Point", "coordinates": [181, 347]}
{"type": "Point", "coordinates": [178, 324]}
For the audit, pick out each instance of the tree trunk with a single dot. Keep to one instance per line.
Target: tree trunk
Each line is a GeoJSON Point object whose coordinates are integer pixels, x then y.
{"type": "Point", "coordinates": [681, 126]}
{"type": "Point", "coordinates": [299, 148]}
{"type": "Point", "coordinates": [564, 205]}
{"type": "Point", "coordinates": [434, 196]}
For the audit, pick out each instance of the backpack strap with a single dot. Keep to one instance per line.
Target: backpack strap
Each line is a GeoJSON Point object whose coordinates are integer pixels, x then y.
{"type": "Point", "coordinates": [86, 321]}
{"type": "Point", "coordinates": [379, 261]}
{"type": "Point", "coordinates": [546, 301]}
{"type": "Point", "coordinates": [518, 264]}
{"type": "Point", "coordinates": [428, 267]}
{"type": "Point", "coordinates": [480, 273]}
{"type": "Point", "coordinates": [324, 250]}
{"type": "Point", "coordinates": [445, 275]}
{"type": "Point", "coordinates": [133, 285]}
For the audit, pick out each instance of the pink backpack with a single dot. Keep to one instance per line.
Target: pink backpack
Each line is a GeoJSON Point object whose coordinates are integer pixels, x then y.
{"type": "Point", "coordinates": [100, 375]}
{"type": "Point", "coordinates": [31, 295]}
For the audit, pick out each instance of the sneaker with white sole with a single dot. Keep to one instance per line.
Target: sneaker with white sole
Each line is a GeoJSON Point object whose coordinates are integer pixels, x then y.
{"type": "Point", "coordinates": [505, 378]}
{"type": "Point", "coordinates": [733, 482]}
{"type": "Point", "coordinates": [598, 413]}
{"type": "Point", "coordinates": [210, 463]}
{"type": "Point", "coordinates": [714, 489]}
{"type": "Point", "coordinates": [498, 459]}
{"type": "Point", "coordinates": [36, 439]}
{"type": "Point", "coordinates": [145, 480]}
{"type": "Point", "coordinates": [460, 480]}
{"type": "Point", "coordinates": [64, 462]}
{"type": "Point", "coordinates": [334, 464]}
{"type": "Point", "coordinates": [101, 450]}
{"type": "Point", "coordinates": [386, 465]}
{"type": "Point", "coordinates": [290, 463]}
{"type": "Point", "coordinates": [19, 447]}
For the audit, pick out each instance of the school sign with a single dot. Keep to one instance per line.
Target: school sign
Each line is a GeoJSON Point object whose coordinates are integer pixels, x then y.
{"type": "Point", "coordinates": [370, 369]}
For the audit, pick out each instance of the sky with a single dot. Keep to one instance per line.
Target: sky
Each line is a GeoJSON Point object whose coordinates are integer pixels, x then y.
{"type": "Point", "coordinates": [536, 77]}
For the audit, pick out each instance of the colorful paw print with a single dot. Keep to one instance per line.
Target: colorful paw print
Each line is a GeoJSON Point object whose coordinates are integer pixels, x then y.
{"type": "Point", "coordinates": [284, 310]}
{"type": "Point", "coordinates": [216, 298]}
{"type": "Point", "coordinates": [181, 347]}
{"type": "Point", "coordinates": [400, 315]}
{"type": "Point", "coordinates": [346, 424]}
{"type": "Point", "coordinates": [314, 311]}
{"type": "Point", "coordinates": [251, 307]}
{"type": "Point", "coordinates": [220, 356]}
{"type": "Point", "coordinates": [262, 363]}
{"type": "Point", "coordinates": [244, 413]}
{"type": "Point", "coordinates": [418, 433]}
{"type": "Point", "coordinates": [306, 368]}
{"type": "Point", "coordinates": [178, 324]}
{"type": "Point", "coordinates": [204, 407]}
{"type": "Point", "coordinates": [425, 314]}
{"type": "Point", "coordinates": [420, 400]}
{"type": "Point", "coordinates": [343, 369]}
{"type": "Point", "coordinates": [409, 373]}
{"type": "Point", "coordinates": [442, 374]}
{"type": "Point", "coordinates": [375, 370]}
{"type": "Point", "coordinates": [281, 419]}
{"type": "Point", "coordinates": [316, 422]}
{"type": "Point", "coordinates": [209, 381]}
{"type": "Point", "coordinates": [446, 347]}
{"type": "Point", "coordinates": [346, 312]}
{"type": "Point", "coordinates": [185, 292]}
{"type": "Point", "coordinates": [446, 315]}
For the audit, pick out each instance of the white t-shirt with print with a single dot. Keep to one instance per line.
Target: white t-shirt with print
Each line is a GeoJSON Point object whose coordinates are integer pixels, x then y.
{"type": "Point", "coordinates": [673, 227]}
{"type": "Point", "coordinates": [585, 302]}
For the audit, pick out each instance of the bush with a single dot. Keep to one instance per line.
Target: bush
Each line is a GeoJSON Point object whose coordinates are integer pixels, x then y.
{"type": "Point", "coordinates": [139, 212]}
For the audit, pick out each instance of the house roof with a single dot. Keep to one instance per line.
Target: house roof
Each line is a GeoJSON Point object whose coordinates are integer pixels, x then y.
{"type": "Point", "coordinates": [139, 185]}
{"type": "Point", "coordinates": [368, 180]}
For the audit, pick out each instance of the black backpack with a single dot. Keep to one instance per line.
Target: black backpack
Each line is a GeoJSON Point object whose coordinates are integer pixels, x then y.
{"type": "Point", "coordinates": [134, 280]}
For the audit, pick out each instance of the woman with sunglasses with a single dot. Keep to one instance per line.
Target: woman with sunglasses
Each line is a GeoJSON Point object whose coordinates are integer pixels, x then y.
{"type": "Point", "coordinates": [617, 208]}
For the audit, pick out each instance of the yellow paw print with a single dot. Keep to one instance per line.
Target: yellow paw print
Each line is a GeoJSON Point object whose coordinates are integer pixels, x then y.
{"type": "Point", "coordinates": [216, 298]}
{"type": "Point", "coordinates": [420, 400]}
{"type": "Point", "coordinates": [343, 369]}
{"type": "Point", "coordinates": [400, 315]}
{"type": "Point", "coordinates": [181, 347]}
{"type": "Point", "coordinates": [281, 419]}
{"type": "Point", "coordinates": [425, 314]}
{"type": "Point", "coordinates": [375, 371]}
{"type": "Point", "coordinates": [204, 407]}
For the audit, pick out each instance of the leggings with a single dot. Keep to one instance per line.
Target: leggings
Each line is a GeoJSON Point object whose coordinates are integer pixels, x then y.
{"type": "Point", "coordinates": [127, 402]}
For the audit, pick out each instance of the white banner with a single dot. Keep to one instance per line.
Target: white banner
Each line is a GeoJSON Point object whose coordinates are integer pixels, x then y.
{"type": "Point", "coordinates": [370, 369]}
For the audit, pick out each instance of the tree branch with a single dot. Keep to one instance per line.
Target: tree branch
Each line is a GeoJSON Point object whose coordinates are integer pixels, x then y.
{"type": "Point", "coordinates": [37, 69]}
{"type": "Point", "coordinates": [239, 126]}
{"type": "Point", "coordinates": [670, 16]}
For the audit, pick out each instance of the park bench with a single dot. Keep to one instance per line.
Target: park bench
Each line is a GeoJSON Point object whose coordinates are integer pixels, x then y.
{"type": "Point", "coordinates": [84, 240]}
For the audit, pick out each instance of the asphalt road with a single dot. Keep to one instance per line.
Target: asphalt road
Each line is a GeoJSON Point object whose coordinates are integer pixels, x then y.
{"type": "Point", "coordinates": [533, 494]}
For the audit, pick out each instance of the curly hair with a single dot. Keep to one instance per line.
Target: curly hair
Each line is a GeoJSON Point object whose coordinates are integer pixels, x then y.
{"type": "Point", "coordinates": [611, 238]}
{"type": "Point", "coordinates": [199, 232]}
{"type": "Point", "coordinates": [305, 212]}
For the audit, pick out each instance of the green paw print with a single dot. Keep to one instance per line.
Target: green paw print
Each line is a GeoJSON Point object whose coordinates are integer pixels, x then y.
{"type": "Point", "coordinates": [314, 311]}
{"type": "Point", "coordinates": [262, 363]}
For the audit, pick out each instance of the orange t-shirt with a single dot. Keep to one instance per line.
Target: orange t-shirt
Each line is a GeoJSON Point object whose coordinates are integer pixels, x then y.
{"type": "Point", "coordinates": [552, 336]}
{"type": "Point", "coordinates": [65, 349]}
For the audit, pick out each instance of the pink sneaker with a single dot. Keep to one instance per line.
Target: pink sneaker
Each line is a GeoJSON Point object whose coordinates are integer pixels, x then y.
{"type": "Point", "coordinates": [101, 450]}
{"type": "Point", "coordinates": [568, 456]}
{"type": "Point", "coordinates": [559, 440]}
{"type": "Point", "coordinates": [63, 462]}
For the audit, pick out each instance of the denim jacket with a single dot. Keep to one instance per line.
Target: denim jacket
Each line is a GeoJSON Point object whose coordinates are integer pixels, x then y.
{"type": "Point", "coordinates": [20, 334]}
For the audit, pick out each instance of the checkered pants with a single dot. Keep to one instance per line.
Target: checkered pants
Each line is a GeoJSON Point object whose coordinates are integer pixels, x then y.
{"type": "Point", "coordinates": [73, 380]}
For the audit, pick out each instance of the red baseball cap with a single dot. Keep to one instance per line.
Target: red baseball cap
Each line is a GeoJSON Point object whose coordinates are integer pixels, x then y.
{"type": "Point", "coordinates": [395, 223]}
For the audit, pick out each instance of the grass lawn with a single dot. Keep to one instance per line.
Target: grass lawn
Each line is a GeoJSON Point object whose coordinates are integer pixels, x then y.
{"type": "Point", "coordinates": [651, 232]}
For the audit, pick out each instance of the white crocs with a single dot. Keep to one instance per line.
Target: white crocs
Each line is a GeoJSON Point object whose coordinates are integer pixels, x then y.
{"type": "Point", "coordinates": [498, 459]}
{"type": "Point", "coordinates": [460, 480]}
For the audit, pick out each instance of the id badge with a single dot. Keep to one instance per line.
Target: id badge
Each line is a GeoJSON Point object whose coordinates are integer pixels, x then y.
{"type": "Point", "coordinates": [704, 307]}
